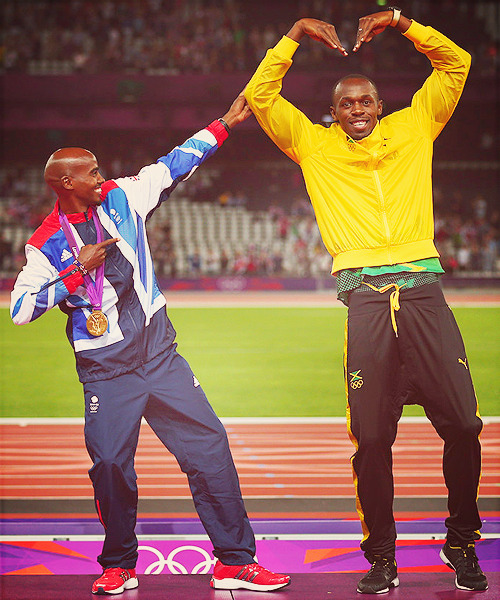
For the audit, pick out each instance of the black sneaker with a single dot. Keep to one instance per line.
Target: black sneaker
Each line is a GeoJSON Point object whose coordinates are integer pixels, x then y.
{"type": "Point", "coordinates": [380, 578]}
{"type": "Point", "coordinates": [463, 560]}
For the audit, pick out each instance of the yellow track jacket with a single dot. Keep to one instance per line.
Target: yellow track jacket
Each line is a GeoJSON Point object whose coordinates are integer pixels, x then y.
{"type": "Point", "coordinates": [373, 197]}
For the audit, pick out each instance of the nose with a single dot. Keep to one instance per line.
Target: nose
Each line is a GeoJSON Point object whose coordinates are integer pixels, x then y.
{"type": "Point", "coordinates": [100, 178]}
{"type": "Point", "coordinates": [358, 108]}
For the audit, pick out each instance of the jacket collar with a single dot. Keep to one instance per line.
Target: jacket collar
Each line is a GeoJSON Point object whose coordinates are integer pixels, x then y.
{"type": "Point", "coordinates": [368, 143]}
{"type": "Point", "coordinates": [73, 217]}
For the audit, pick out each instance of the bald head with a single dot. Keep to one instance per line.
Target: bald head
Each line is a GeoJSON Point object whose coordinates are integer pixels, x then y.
{"type": "Point", "coordinates": [63, 163]}
{"type": "Point", "coordinates": [73, 173]}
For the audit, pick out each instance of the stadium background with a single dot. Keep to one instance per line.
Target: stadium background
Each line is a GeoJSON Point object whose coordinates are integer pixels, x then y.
{"type": "Point", "coordinates": [129, 80]}
{"type": "Point", "coordinates": [237, 250]}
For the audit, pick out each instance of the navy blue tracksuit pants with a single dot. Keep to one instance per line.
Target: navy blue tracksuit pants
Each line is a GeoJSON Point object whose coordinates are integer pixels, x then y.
{"type": "Point", "coordinates": [170, 398]}
{"type": "Point", "coordinates": [425, 364]}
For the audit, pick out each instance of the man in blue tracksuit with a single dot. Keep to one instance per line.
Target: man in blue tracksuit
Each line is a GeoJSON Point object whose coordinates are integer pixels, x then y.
{"type": "Point", "coordinates": [90, 257]}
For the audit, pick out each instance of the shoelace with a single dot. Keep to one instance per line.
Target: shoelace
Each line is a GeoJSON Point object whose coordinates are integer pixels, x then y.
{"type": "Point", "coordinates": [379, 564]}
{"type": "Point", "coordinates": [112, 571]}
{"type": "Point", "coordinates": [470, 560]}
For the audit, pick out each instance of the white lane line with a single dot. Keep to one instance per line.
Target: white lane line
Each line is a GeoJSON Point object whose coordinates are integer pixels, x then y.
{"type": "Point", "coordinates": [194, 537]}
{"type": "Point", "coordinates": [24, 421]}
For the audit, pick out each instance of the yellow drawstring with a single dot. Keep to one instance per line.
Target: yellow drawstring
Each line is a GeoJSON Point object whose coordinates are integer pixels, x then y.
{"type": "Point", "coordinates": [393, 300]}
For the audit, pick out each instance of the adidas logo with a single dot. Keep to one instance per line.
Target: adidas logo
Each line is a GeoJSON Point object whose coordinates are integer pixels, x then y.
{"type": "Point", "coordinates": [65, 255]}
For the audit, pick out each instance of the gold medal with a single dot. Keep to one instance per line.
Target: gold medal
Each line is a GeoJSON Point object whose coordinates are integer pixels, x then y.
{"type": "Point", "coordinates": [97, 323]}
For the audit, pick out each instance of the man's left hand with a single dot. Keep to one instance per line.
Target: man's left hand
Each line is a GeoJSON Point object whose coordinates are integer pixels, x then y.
{"type": "Point", "coordinates": [373, 24]}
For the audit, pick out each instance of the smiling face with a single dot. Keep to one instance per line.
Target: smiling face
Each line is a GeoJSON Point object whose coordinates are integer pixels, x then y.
{"type": "Point", "coordinates": [85, 180]}
{"type": "Point", "coordinates": [74, 174]}
{"type": "Point", "coordinates": [356, 106]}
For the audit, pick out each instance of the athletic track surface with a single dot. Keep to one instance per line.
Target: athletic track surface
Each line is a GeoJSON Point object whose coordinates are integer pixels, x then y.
{"type": "Point", "coordinates": [296, 459]}
{"type": "Point", "coordinates": [275, 458]}
{"type": "Point", "coordinates": [295, 471]}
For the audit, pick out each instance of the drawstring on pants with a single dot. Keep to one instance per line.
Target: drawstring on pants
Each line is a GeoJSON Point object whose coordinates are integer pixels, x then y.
{"type": "Point", "coordinates": [393, 300]}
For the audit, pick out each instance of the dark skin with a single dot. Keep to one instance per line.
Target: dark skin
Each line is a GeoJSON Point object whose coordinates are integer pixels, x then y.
{"type": "Point", "coordinates": [73, 173]}
{"type": "Point", "coordinates": [356, 106]}
{"type": "Point", "coordinates": [355, 103]}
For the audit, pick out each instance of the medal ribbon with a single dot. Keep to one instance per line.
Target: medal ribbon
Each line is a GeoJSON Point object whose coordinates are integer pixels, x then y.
{"type": "Point", "coordinates": [94, 289]}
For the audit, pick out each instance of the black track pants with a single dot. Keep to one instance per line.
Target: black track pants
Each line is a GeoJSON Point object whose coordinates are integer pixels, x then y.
{"type": "Point", "coordinates": [425, 364]}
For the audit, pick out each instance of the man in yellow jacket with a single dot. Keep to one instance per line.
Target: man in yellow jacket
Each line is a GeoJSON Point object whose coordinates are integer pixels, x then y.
{"type": "Point", "coordinates": [370, 184]}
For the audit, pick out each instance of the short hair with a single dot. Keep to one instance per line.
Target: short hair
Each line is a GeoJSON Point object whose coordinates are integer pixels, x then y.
{"type": "Point", "coordinates": [353, 76]}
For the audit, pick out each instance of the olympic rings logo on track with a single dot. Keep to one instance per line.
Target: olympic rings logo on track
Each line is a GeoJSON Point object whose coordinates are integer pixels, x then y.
{"type": "Point", "coordinates": [174, 566]}
{"type": "Point", "coordinates": [356, 384]}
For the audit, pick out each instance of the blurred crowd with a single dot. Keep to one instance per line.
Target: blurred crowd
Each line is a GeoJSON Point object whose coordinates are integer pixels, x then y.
{"type": "Point", "coordinates": [217, 36]}
{"type": "Point", "coordinates": [228, 36]}
{"type": "Point", "coordinates": [467, 231]}
{"type": "Point", "coordinates": [467, 226]}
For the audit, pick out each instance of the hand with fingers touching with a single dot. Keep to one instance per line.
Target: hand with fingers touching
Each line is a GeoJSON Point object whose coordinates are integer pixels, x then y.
{"type": "Point", "coordinates": [319, 31]}
{"type": "Point", "coordinates": [373, 24]}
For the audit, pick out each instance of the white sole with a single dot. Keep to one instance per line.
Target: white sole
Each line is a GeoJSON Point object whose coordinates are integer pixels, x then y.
{"type": "Point", "coordinates": [394, 583]}
{"type": "Point", "coordinates": [466, 589]}
{"type": "Point", "coordinates": [238, 584]}
{"type": "Point", "coordinates": [443, 557]}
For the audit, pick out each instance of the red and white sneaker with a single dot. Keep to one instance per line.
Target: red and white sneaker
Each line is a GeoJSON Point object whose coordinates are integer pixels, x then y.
{"type": "Point", "coordinates": [115, 580]}
{"type": "Point", "coordinates": [248, 577]}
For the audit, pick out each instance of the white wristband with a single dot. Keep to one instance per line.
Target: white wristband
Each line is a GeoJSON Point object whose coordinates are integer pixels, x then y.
{"type": "Point", "coordinates": [396, 15]}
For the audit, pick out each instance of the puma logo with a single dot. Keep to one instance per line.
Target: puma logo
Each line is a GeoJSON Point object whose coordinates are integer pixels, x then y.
{"type": "Point", "coordinates": [464, 363]}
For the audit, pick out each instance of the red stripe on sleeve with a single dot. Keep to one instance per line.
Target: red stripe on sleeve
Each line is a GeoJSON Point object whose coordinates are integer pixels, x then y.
{"type": "Point", "coordinates": [219, 131]}
{"type": "Point", "coordinates": [71, 281]}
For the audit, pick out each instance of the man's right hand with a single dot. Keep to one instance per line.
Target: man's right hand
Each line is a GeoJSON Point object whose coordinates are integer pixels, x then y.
{"type": "Point", "coordinates": [319, 31]}
{"type": "Point", "coordinates": [238, 112]}
{"type": "Point", "coordinates": [93, 255]}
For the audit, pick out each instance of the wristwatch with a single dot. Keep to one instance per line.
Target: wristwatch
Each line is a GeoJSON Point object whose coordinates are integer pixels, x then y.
{"type": "Point", "coordinates": [396, 15]}
{"type": "Point", "coordinates": [226, 126]}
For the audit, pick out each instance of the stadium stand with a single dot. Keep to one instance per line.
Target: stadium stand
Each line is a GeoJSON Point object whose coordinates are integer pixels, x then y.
{"type": "Point", "coordinates": [220, 236]}
{"type": "Point", "coordinates": [208, 36]}
{"type": "Point", "coordinates": [246, 212]}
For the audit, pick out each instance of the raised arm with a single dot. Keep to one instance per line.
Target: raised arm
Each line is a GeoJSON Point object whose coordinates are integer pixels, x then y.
{"type": "Point", "coordinates": [154, 183]}
{"type": "Point", "coordinates": [286, 125]}
{"type": "Point", "coordinates": [436, 100]}
{"type": "Point", "coordinates": [434, 103]}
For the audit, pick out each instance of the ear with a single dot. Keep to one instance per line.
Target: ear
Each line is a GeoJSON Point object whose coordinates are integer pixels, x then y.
{"type": "Point", "coordinates": [66, 182]}
{"type": "Point", "coordinates": [333, 113]}
{"type": "Point", "coordinates": [380, 107]}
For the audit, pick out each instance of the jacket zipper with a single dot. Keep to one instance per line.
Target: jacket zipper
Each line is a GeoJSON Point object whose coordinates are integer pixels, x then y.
{"type": "Point", "coordinates": [140, 350]}
{"type": "Point", "coordinates": [384, 213]}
